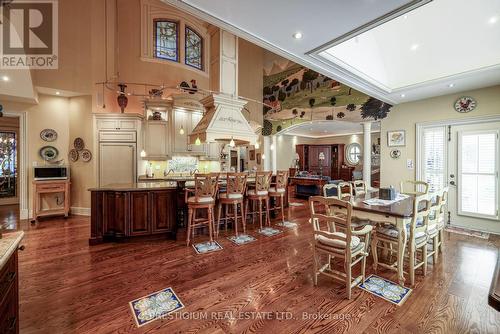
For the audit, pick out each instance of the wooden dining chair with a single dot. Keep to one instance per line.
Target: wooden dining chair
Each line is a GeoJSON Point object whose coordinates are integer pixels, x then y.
{"type": "Point", "coordinates": [442, 217]}
{"type": "Point", "coordinates": [279, 191]}
{"type": "Point", "coordinates": [415, 188]}
{"type": "Point", "coordinates": [234, 196]}
{"type": "Point", "coordinates": [337, 190]}
{"type": "Point", "coordinates": [260, 194]}
{"type": "Point", "coordinates": [359, 187]}
{"type": "Point", "coordinates": [205, 190]}
{"type": "Point", "coordinates": [387, 238]}
{"type": "Point", "coordinates": [334, 237]}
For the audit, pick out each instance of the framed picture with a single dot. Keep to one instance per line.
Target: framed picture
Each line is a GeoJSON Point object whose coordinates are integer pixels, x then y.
{"type": "Point", "coordinates": [258, 158]}
{"type": "Point", "coordinates": [252, 155]}
{"type": "Point", "coordinates": [396, 138]}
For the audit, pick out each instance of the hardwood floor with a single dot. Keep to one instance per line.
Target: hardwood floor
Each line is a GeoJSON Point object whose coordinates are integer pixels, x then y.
{"type": "Point", "coordinates": [67, 286]}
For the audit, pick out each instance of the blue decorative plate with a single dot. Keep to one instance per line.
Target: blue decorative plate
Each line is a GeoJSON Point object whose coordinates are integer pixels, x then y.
{"type": "Point", "coordinates": [48, 153]}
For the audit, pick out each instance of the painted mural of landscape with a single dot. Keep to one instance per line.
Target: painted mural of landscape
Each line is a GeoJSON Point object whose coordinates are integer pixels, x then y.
{"type": "Point", "coordinates": [294, 94]}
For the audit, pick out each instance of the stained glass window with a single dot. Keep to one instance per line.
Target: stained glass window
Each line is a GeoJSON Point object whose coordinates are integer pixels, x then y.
{"type": "Point", "coordinates": [8, 164]}
{"type": "Point", "coordinates": [194, 49]}
{"type": "Point", "coordinates": [166, 40]}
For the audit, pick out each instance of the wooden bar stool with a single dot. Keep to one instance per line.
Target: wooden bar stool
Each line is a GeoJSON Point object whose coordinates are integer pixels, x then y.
{"type": "Point", "coordinates": [260, 194]}
{"type": "Point", "coordinates": [234, 195]}
{"type": "Point", "coordinates": [279, 191]}
{"type": "Point", "coordinates": [205, 189]}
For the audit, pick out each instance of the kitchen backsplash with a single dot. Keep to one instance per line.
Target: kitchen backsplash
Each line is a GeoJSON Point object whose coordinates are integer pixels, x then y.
{"type": "Point", "coordinates": [184, 165]}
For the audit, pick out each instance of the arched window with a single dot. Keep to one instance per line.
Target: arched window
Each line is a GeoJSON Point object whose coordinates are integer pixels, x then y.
{"type": "Point", "coordinates": [353, 155]}
{"type": "Point", "coordinates": [194, 49]}
{"type": "Point", "coordinates": [166, 40]}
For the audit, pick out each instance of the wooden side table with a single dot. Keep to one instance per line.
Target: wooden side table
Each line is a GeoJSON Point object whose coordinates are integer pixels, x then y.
{"type": "Point", "coordinates": [50, 187]}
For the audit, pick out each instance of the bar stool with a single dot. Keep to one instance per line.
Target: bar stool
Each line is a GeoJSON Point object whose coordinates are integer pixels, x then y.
{"type": "Point", "coordinates": [260, 194]}
{"type": "Point", "coordinates": [205, 189]}
{"type": "Point", "coordinates": [279, 191]}
{"type": "Point", "coordinates": [234, 195]}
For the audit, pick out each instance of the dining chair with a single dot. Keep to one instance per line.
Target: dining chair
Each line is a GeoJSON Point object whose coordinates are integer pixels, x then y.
{"type": "Point", "coordinates": [359, 187]}
{"type": "Point", "coordinates": [259, 195]}
{"type": "Point", "coordinates": [386, 238]}
{"type": "Point", "coordinates": [279, 191]}
{"type": "Point", "coordinates": [205, 190]}
{"type": "Point", "coordinates": [334, 238]}
{"type": "Point", "coordinates": [443, 198]}
{"type": "Point", "coordinates": [415, 188]}
{"type": "Point", "coordinates": [336, 190]}
{"type": "Point", "coordinates": [233, 196]}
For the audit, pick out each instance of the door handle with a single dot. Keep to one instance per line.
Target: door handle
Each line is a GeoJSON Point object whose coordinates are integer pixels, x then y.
{"type": "Point", "coordinates": [452, 183]}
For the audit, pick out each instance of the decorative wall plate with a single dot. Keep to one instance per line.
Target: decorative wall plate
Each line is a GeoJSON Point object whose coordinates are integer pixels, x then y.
{"type": "Point", "coordinates": [73, 155]}
{"type": "Point", "coordinates": [86, 155]}
{"type": "Point", "coordinates": [465, 104]}
{"type": "Point", "coordinates": [48, 135]}
{"type": "Point", "coordinates": [48, 153]}
{"type": "Point", "coordinates": [395, 154]}
{"type": "Point", "coordinates": [79, 144]}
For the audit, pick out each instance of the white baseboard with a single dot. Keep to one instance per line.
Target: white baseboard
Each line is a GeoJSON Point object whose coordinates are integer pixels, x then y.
{"type": "Point", "coordinates": [24, 214]}
{"type": "Point", "coordinates": [80, 211]}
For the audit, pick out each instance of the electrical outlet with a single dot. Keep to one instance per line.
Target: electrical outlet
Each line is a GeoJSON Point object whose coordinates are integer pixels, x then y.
{"type": "Point", "coordinates": [409, 163]}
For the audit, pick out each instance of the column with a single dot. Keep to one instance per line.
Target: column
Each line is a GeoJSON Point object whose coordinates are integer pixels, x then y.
{"type": "Point", "coordinates": [274, 161]}
{"type": "Point", "coordinates": [367, 153]}
{"type": "Point", "coordinates": [266, 155]}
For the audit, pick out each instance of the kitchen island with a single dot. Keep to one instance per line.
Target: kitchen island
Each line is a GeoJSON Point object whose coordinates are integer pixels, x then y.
{"type": "Point", "coordinates": [123, 211]}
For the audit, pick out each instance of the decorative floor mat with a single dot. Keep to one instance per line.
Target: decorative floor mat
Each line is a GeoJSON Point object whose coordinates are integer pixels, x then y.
{"type": "Point", "coordinates": [385, 289]}
{"type": "Point", "coordinates": [241, 239]}
{"type": "Point", "coordinates": [207, 247]}
{"type": "Point", "coordinates": [463, 231]}
{"type": "Point", "coordinates": [288, 224]}
{"type": "Point", "coordinates": [158, 304]}
{"type": "Point", "coordinates": [269, 231]}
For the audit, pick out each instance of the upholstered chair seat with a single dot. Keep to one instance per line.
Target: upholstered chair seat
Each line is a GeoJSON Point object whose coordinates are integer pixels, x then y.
{"type": "Point", "coordinates": [193, 199]}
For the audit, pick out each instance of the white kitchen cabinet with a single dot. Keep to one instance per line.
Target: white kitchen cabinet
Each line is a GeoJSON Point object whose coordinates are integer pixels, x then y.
{"type": "Point", "coordinates": [117, 163]}
{"type": "Point", "coordinates": [213, 151]}
{"type": "Point", "coordinates": [116, 124]}
{"type": "Point", "coordinates": [194, 119]}
{"type": "Point", "coordinates": [188, 121]}
{"type": "Point", "coordinates": [156, 140]}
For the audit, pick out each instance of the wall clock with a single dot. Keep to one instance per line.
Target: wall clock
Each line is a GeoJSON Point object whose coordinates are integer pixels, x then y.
{"type": "Point", "coordinates": [465, 104]}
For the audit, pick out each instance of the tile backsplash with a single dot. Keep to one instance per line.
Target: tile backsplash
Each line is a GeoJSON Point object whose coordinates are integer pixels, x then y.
{"type": "Point", "coordinates": [181, 164]}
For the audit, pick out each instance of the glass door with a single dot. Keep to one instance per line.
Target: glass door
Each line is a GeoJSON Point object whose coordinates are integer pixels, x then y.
{"type": "Point", "coordinates": [8, 167]}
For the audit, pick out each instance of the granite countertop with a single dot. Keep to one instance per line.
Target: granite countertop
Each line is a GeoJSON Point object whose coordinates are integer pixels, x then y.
{"type": "Point", "coordinates": [136, 186]}
{"type": "Point", "coordinates": [143, 178]}
{"type": "Point", "coordinates": [8, 245]}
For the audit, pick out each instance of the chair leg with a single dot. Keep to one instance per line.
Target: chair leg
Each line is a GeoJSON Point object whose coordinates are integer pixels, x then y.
{"type": "Point", "coordinates": [190, 219]}
{"type": "Point", "coordinates": [374, 253]}
{"type": "Point", "coordinates": [226, 212]}
{"type": "Point", "coordinates": [260, 213]}
{"type": "Point", "coordinates": [244, 216]}
{"type": "Point", "coordinates": [435, 248]}
{"type": "Point", "coordinates": [424, 258]}
{"type": "Point", "coordinates": [412, 266]}
{"type": "Point", "coordinates": [268, 219]}
{"type": "Point", "coordinates": [218, 220]}
{"type": "Point", "coordinates": [348, 278]}
{"type": "Point", "coordinates": [441, 246]}
{"type": "Point", "coordinates": [363, 268]}
{"type": "Point", "coordinates": [282, 209]}
{"type": "Point", "coordinates": [315, 267]}
{"type": "Point", "coordinates": [210, 223]}
{"type": "Point", "coordinates": [236, 218]}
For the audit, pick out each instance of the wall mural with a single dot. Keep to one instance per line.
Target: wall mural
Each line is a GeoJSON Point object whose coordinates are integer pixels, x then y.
{"type": "Point", "coordinates": [294, 94]}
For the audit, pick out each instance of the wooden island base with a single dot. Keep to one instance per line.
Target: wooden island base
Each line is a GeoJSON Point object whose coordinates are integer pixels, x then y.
{"type": "Point", "coordinates": [123, 211]}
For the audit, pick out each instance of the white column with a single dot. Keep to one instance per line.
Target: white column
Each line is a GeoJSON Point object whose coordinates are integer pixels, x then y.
{"type": "Point", "coordinates": [274, 161]}
{"type": "Point", "coordinates": [367, 153]}
{"type": "Point", "coordinates": [267, 153]}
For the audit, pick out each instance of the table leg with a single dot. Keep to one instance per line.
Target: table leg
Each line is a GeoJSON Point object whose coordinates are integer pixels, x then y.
{"type": "Point", "coordinates": [402, 241]}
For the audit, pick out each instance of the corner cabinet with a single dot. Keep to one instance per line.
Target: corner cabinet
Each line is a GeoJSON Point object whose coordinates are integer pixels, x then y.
{"type": "Point", "coordinates": [156, 141]}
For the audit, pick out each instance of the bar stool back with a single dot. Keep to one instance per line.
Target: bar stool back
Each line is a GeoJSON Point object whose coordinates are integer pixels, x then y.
{"type": "Point", "coordinates": [235, 191]}
{"type": "Point", "coordinates": [279, 191]}
{"type": "Point", "coordinates": [260, 194]}
{"type": "Point", "coordinates": [205, 189]}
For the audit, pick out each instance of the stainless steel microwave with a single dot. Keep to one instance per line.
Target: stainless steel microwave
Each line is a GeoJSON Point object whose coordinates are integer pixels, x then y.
{"type": "Point", "coordinates": [51, 173]}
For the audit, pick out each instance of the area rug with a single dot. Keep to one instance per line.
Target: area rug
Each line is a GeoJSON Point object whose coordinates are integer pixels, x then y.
{"type": "Point", "coordinates": [241, 239]}
{"type": "Point", "coordinates": [463, 231]}
{"type": "Point", "coordinates": [385, 289]}
{"type": "Point", "coordinates": [207, 247]}
{"type": "Point", "coordinates": [269, 231]}
{"type": "Point", "coordinates": [295, 204]}
{"type": "Point", "coordinates": [154, 306]}
{"type": "Point", "coordinates": [288, 224]}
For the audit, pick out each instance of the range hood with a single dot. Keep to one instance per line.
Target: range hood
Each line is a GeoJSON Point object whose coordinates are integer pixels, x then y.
{"type": "Point", "coordinates": [222, 121]}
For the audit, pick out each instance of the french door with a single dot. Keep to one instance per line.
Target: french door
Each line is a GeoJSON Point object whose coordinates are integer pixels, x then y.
{"type": "Point", "coordinates": [466, 159]}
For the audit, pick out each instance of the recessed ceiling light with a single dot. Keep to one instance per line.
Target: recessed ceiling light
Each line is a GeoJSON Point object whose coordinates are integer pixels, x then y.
{"type": "Point", "coordinates": [297, 35]}
{"type": "Point", "coordinates": [414, 47]}
{"type": "Point", "coordinates": [403, 95]}
{"type": "Point", "coordinates": [58, 93]}
{"type": "Point", "coordinates": [405, 16]}
{"type": "Point", "coordinates": [451, 85]}
{"type": "Point", "coordinates": [5, 78]}
{"type": "Point", "coordinates": [493, 20]}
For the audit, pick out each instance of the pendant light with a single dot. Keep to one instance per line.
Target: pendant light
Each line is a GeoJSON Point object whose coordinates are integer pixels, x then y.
{"type": "Point", "coordinates": [197, 142]}
{"type": "Point", "coordinates": [143, 154]}
{"type": "Point", "coordinates": [232, 143]}
{"type": "Point", "coordinates": [257, 145]}
{"type": "Point", "coordinates": [181, 131]}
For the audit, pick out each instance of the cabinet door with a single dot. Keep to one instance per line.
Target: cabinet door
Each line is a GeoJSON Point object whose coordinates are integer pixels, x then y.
{"type": "Point", "coordinates": [163, 211]}
{"type": "Point", "coordinates": [107, 124]}
{"type": "Point", "coordinates": [139, 214]}
{"type": "Point", "coordinates": [180, 119]}
{"type": "Point", "coordinates": [195, 119]}
{"type": "Point", "coordinates": [117, 163]}
{"type": "Point", "coordinates": [116, 214]}
{"type": "Point", "coordinates": [126, 124]}
{"type": "Point", "coordinates": [156, 139]}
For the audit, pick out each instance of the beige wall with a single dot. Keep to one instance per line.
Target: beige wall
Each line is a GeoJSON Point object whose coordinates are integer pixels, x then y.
{"type": "Point", "coordinates": [406, 115]}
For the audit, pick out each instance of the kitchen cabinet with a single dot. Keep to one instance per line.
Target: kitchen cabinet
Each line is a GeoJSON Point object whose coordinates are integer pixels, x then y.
{"type": "Point", "coordinates": [139, 213]}
{"type": "Point", "coordinates": [156, 140]}
{"type": "Point", "coordinates": [188, 121]}
{"type": "Point", "coordinates": [116, 124]}
{"type": "Point", "coordinates": [194, 120]}
{"type": "Point", "coordinates": [9, 295]}
{"type": "Point", "coordinates": [117, 163]}
{"type": "Point", "coordinates": [212, 151]}
{"type": "Point", "coordinates": [115, 214]}
{"type": "Point", "coordinates": [162, 216]}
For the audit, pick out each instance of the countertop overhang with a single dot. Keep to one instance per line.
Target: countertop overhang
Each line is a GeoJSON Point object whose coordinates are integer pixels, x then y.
{"type": "Point", "coordinates": [8, 244]}
{"type": "Point", "coordinates": [139, 186]}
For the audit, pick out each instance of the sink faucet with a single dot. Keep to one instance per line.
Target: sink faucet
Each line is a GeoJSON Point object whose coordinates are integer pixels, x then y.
{"type": "Point", "coordinates": [165, 173]}
{"type": "Point", "coordinates": [191, 173]}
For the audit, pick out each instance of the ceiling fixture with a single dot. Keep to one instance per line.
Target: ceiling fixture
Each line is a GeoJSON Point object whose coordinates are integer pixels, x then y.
{"type": "Point", "coordinates": [5, 78]}
{"type": "Point", "coordinates": [257, 145]}
{"type": "Point", "coordinates": [181, 130]}
{"type": "Point", "coordinates": [414, 47]}
{"type": "Point", "coordinates": [405, 16]}
{"type": "Point", "coordinates": [493, 20]}
{"type": "Point", "coordinates": [451, 85]}
{"type": "Point", "coordinates": [197, 142]}
{"type": "Point", "coordinates": [143, 154]}
{"type": "Point", "coordinates": [232, 143]}
{"type": "Point", "coordinates": [403, 95]}
{"type": "Point", "coordinates": [297, 35]}
{"type": "Point", "coordinates": [58, 93]}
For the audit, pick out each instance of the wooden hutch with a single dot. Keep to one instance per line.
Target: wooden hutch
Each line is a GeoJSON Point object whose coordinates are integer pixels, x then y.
{"type": "Point", "coordinates": [333, 165]}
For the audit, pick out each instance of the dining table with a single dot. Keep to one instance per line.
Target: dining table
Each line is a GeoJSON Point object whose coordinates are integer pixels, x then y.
{"type": "Point", "coordinates": [399, 214]}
